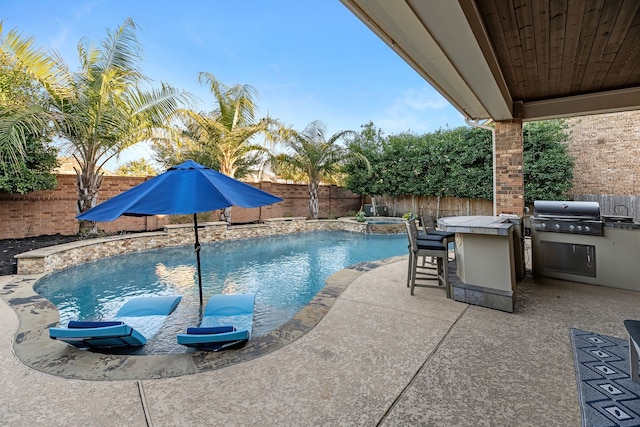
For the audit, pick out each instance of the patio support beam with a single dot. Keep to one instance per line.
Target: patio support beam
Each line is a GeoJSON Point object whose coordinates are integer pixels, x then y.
{"type": "Point", "coordinates": [509, 172]}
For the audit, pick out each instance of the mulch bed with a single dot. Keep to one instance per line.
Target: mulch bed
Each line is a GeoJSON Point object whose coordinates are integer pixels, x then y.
{"type": "Point", "coordinates": [11, 247]}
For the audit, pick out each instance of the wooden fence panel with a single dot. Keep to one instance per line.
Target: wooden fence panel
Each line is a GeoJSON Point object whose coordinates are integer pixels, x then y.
{"type": "Point", "coordinates": [437, 208]}
{"type": "Point", "coordinates": [613, 204]}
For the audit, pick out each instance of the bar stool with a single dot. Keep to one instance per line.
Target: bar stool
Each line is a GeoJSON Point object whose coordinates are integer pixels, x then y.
{"type": "Point", "coordinates": [430, 232]}
{"type": "Point", "coordinates": [424, 248]}
{"type": "Point", "coordinates": [425, 239]}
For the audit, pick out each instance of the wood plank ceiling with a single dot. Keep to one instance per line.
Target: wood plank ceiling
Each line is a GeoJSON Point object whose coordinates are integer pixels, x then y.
{"type": "Point", "coordinates": [529, 59]}
{"type": "Point", "coordinates": [558, 48]}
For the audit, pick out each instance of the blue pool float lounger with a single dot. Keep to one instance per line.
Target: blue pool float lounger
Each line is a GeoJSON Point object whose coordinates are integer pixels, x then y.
{"type": "Point", "coordinates": [116, 333]}
{"type": "Point", "coordinates": [226, 322]}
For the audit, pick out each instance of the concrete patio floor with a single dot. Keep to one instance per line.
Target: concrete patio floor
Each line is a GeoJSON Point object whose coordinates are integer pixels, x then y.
{"type": "Point", "coordinates": [378, 357]}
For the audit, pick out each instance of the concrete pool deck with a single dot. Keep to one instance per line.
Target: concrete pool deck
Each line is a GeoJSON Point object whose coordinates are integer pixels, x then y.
{"type": "Point", "coordinates": [378, 357]}
{"type": "Point", "coordinates": [33, 347]}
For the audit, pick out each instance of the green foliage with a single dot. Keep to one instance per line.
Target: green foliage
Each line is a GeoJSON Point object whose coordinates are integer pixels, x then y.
{"type": "Point", "coordinates": [457, 163]}
{"type": "Point", "coordinates": [32, 169]}
{"type": "Point", "coordinates": [318, 157]}
{"type": "Point", "coordinates": [33, 172]}
{"type": "Point", "coordinates": [137, 168]}
{"type": "Point", "coordinates": [96, 112]}
{"type": "Point", "coordinates": [168, 152]}
{"type": "Point", "coordinates": [368, 144]}
{"type": "Point", "coordinates": [26, 73]}
{"type": "Point", "coordinates": [548, 168]}
{"type": "Point", "coordinates": [444, 163]}
{"type": "Point", "coordinates": [287, 171]}
{"type": "Point", "coordinates": [16, 87]}
{"type": "Point", "coordinates": [312, 153]}
{"type": "Point", "coordinates": [223, 139]}
{"type": "Point", "coordinates": [399, 168]}
{"type": "Point", "coordinates": [408, 216]}
{"type": "Point", "coordinates": [468, 154]}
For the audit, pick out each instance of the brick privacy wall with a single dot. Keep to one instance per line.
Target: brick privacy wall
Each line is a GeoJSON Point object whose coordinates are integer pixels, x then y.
{"type": "Point", "coordinates": [53, 211]}
{"type": "Point", "coordinates": [333, 202]}
{"type": "Point", "coordinates": [509, 167]}
{"type": "Point", "coordinates": [606, 152]}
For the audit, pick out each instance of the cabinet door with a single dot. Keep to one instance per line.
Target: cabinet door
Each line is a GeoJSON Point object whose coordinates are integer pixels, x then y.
{"type": "Point", "coordinates": [569, 258]}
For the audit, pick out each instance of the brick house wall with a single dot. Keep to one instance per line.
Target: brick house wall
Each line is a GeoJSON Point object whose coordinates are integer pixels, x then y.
{"type": "Point", "coordinates": [606, 152]}
{"type": "Point", "coordinates": [53, 211]}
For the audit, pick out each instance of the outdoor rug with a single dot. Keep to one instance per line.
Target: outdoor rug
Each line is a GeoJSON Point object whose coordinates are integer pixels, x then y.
{"type": "Point", "coordinates": [607, 395]}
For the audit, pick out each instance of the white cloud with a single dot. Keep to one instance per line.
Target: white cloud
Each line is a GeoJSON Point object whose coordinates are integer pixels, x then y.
{"type": "Point", "coordinates": [418, 110]}
{"type": "Point", "coordinates": [84, 11]}
{"type": "Point", "coordinates": [60, 39]}
{"type": "Point", "coordinates": [421, 99]}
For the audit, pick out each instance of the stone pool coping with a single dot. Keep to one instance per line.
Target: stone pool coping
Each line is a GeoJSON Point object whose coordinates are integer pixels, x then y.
{"type": "Point", "coordinates": [33, 347]}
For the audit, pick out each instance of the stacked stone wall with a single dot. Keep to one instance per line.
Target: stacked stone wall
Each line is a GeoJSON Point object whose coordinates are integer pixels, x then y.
{"type": "Point", "coordinates": [50, 259]}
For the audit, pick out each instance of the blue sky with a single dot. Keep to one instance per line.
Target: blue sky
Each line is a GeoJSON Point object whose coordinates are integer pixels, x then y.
{"type": "Point", "coordinates": [308, 59]}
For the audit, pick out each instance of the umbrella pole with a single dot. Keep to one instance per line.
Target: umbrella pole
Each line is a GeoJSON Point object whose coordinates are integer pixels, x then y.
{"type": "Point", "coordinates": [197, 249]}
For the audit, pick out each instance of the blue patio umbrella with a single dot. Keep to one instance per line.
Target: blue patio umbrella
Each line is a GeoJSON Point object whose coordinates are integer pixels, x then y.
{"type": "Point", "coordinates": [188, 188]}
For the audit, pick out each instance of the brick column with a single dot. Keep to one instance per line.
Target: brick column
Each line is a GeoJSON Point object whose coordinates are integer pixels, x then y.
{"type": "Point", "coordinates": [509, 160]}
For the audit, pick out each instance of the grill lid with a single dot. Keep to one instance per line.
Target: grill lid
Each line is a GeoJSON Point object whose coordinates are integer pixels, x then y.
{"type": "Point", "coordinates": [567, 209]}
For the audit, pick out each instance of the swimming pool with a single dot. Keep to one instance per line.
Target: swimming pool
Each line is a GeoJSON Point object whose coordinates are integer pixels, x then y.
{"type": "Point", "coordinates": [285, 272]}
{"type": "Point", "coordinates": [385, 221]}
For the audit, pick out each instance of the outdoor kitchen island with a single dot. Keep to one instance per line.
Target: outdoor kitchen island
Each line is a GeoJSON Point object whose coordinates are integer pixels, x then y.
{"type": "Point", "coordinates": [489, 259]}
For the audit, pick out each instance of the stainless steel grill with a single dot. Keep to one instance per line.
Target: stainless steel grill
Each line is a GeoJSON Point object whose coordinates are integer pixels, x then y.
{"type": "Point", "coordinates": [572, 241]}
{"type": "Point", "coordinates": [567, 217]}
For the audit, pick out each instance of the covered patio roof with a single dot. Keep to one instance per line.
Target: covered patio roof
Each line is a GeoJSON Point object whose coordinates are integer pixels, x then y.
{"type": "Point", "coordinates": [517, 59]}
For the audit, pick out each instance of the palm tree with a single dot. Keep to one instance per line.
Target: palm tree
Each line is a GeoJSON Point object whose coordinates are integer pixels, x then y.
{"type": "Point", "coordinates": [317, 157]}
{"type": "Point", "coordinates": [24, 112]}
{"type": "Point", "coordinates": [226, 134]}
{"type": "Point", "coordinates": [100, 110]}
{"type": "Point", "coordinates": [28, 166]}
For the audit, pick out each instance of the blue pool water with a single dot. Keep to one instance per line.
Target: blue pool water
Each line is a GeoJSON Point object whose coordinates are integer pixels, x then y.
{"type": "Point", "coordinates": [284, 272]}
